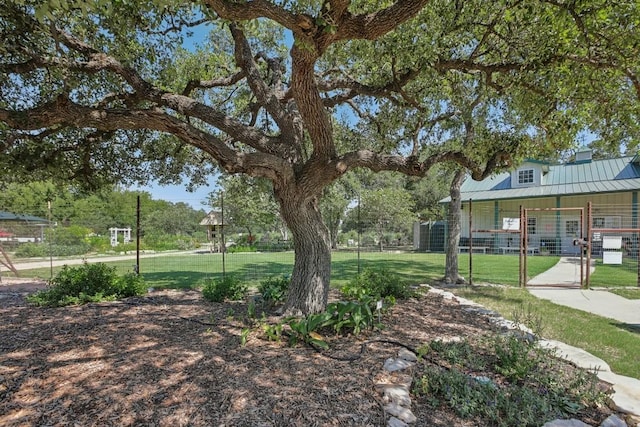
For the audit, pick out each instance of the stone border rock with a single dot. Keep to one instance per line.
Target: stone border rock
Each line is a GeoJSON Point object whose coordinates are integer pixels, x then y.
{"type": "Point", "coordinates": [395, 387]}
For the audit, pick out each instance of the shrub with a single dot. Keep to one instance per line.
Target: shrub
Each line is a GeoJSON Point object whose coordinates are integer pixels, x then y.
{"type": "Point", "coordinates": [166, 242]}
{"type": "Point", "coordinates": [351, 315]}
{"type": "Point", "coordinates": [377, 284]}
{"type": "Point", "coordinates": [241, 248]}
{"type": "Point", "coordinates": [229, 287]}
{"type": "Point", "coordinates": [87, 283]}
{"type": "Point", "coordinates": [274, 289]}
{"type": "Point", "coordinates": [39, 250]}
{"type": "Point", "coordinates": [515, 356]}
{"type": "Point", "coordinates": [31, 250]}
{"type": "Point", "coordinates": [68, 250]}
{"type": "Point", "coordinates": [130, 285]}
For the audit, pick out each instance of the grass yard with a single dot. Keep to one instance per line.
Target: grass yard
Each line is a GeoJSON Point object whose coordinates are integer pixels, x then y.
{"type": "Point", "coordinates": [613, 275]}
{"type": "Point", "coordinates": [614, 342]}
{"type": "Point", "coordinates": [188, 270]}
{"type": "Point", "coordinates": [628, 293]}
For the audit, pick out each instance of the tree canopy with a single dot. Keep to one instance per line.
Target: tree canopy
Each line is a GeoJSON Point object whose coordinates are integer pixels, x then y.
{"type": "Point", "coordinates": [105, 91]}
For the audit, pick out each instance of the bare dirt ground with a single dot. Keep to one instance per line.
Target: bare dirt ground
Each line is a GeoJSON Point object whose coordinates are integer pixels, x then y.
{"type": "Point", "coordinates": [173, 359]}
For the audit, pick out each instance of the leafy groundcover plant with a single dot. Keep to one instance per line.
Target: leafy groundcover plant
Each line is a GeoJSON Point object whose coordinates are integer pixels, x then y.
{"type": "Point", "coordinates": [506, 380]}
{"type": "Point", "coordinates": [229, 287]}
{"type": "Point", "coordinates": [88, 283]}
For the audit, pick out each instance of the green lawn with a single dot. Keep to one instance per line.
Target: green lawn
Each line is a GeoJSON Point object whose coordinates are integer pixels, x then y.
{"type": "Point", "coordinates": [188, 270]}
{"type": "Point", "coordinates": [615, 343]}
{"type": "Point", "coordinates": [628, 293]}
{"type": "Point", "coordinates": [613, 275]}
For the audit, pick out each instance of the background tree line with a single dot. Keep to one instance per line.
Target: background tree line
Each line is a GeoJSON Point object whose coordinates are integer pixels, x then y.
{"type": "Point", "coordinates": [381, 208]}
{"type": "Point", "coordinates": [80, 221]}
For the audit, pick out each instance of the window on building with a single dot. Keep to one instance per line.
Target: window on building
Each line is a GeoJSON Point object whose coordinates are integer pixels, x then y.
{"type": "Point", "coordinates": [525, 176]}
{"type": "Point", "coordinates": [531, 226]}
{"type": "Point", "coordinates": [573, 228]}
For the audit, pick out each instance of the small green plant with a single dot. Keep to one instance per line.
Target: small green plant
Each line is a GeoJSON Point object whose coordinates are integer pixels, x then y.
{"type": "Point", "coordinates": [251, 310]}
{"type": "Point", "coordinates": [515, 356]}
{"type": "Point", "coordinates": [352, 315]}
{"type": "Point", "coordinates": [526, 315]}
{"type": "Point", "coordinates": [227, 288]}
{"type": "Point", "coordinates": [273, 332]}
{"type": "Point", "coordinates": [305, 329]}
{"type": "Point", "coordinates": [457, 353]}
{"type": "Point", "coordinates": [244, 335]}
{"type": "Point", "coordinates": [274, 289]}
{"type": "Point", "coordinates": [88, 283]}
{"type": "Point", "coordinates": [378, 284]}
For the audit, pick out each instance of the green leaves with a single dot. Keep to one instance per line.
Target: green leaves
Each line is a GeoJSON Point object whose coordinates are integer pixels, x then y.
{"type": "Point", "coordinates": [352, 316]}
{"type": "Point", "coordinates": [228, 287]}
{"type": "Point", "coordinates": [87, 283]}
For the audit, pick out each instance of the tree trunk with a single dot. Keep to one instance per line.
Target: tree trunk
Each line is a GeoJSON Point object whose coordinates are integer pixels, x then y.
{"type": "Point", "coordinates": [452, 274]}
{"type": "Point", "coordinates": [250, 237]}
{"type": "Point", "coordinates": [309, 289]}
{"type": "Point", "coordinates": [334, 225]}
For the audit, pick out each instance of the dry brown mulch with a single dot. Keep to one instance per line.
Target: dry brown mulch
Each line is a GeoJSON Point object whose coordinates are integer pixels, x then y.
{"type": "Point", "coordinates": [172, 359]}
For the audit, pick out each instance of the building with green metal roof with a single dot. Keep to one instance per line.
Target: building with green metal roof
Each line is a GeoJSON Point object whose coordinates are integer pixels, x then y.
{"type": "Point", "coordinates": [19, 228]}
{"type": "Point", "coordinates": [556, 197]}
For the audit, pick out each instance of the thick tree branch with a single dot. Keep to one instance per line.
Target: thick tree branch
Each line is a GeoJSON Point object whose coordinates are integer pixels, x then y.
{"type": "Point", "coordinates": [265, 95]}
{"type": "Point", "coordinates": [212, 83]}
{"type": "Point", "coordinates": [62, 113]}
{"type": "Point", "coordinates": [413, 167]}
{"type": "Point", "coordinates": [374, 25]}
{"type": "Point", "coordinates": [248, 10]}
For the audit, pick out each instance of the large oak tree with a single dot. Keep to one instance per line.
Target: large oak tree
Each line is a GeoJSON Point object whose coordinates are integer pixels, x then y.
{"type": "Point", "coordinates": [103, 91]}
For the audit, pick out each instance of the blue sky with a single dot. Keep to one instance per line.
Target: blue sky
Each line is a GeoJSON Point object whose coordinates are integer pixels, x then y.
{"type": "Point", "coordinates": [178, 193]}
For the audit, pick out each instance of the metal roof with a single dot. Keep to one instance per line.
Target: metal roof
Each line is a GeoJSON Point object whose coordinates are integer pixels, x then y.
{"type": "Point", "coordinates": [596, 176]}
{"type": "Point", "coordinates": [8, 216]}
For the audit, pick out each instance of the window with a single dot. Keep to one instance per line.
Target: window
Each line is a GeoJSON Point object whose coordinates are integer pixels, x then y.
{"type": "Point", "coordinates": [525, 176]}
{"type": "Point", "coordinates": [573, 228]}
{"type": "Point", "coordinates": [531, 226]}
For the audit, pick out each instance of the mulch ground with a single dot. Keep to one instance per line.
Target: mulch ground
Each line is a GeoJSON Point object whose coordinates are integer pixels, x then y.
{"type": "Point", "coordinates": [173, 359]}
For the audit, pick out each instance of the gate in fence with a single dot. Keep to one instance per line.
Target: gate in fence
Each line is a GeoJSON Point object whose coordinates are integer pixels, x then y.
{"type": "Point", "coordinates": [605, 235]}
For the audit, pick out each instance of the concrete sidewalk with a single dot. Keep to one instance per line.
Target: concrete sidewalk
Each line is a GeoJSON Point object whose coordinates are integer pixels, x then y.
{"type": "Point", "coordinates": [565, 273]}
{"type": "Point", "coordinates": [602, 303]}
{"type": "Point", "coordinates": [561, 285]}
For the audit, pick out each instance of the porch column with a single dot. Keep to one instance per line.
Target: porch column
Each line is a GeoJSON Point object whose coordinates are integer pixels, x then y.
{"type": "Point", "coordinates": [634, 209]}
{"type": "Point", "coordinates": [558, 227]}
{"type": "Point", "coordinates": [496, 225]}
